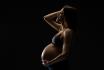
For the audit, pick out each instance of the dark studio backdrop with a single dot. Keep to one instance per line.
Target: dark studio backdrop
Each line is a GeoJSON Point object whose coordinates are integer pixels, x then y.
{"type": "Point", "coordinates": [91, 34]}
{"type": "Point", "coordinates": [24, 34]}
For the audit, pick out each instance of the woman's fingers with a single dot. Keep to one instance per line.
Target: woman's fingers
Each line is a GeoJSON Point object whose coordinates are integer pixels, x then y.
{"type": "Point", "coordinates": [45, 61]}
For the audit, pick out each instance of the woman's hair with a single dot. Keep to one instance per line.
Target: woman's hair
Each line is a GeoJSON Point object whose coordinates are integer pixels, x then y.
{"type": "Point", "coordinates": [70, 14]}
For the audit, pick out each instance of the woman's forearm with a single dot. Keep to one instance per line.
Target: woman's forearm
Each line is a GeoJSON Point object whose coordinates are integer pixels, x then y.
{"type": "Point", "coordinates": [59, 58]}
{"type": "Point", "coordinates": [51, 15]}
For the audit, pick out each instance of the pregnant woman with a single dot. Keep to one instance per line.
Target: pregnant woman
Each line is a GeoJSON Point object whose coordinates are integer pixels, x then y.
{"type": "Point", "coordinates": [55, 55]}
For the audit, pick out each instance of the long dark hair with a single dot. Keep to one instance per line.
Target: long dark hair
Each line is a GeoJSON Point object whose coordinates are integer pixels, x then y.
{"type": "Point", "coordinates": [72, 18]}
{"type": "Point", "coordinates": [70, 14]}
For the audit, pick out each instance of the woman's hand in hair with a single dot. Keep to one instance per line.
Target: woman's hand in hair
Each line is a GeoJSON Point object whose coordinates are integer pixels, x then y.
{"type": "Point", "coordinates": [62, 11]}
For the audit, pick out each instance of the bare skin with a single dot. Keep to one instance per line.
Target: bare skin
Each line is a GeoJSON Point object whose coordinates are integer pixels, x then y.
{"type": "Point", "coordinates": [60, 25]}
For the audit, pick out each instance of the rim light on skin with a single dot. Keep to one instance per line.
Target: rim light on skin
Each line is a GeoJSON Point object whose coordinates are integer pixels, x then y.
{"type": "Point", "coordinates": [61, 17]}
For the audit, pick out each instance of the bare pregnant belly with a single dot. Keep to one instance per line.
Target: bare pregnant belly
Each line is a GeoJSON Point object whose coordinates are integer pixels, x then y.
{"type": "Point", "coordinates": [50, 52]}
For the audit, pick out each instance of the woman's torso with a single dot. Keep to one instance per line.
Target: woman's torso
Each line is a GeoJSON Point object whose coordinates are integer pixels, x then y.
{"type": "Point", "coordinates": [54, 48]}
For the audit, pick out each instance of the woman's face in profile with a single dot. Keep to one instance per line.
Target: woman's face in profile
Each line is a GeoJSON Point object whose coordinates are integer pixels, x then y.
{"type": "Point", "coordinates": [60, 18]}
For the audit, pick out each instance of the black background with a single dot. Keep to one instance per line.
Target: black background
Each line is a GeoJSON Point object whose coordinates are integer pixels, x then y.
{"type": "Point", "coordinates": [24, 34]}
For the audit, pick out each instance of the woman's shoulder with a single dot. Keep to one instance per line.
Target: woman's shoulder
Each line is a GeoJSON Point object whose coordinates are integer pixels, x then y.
{"type": "Point", "coordinates": [68, 33]}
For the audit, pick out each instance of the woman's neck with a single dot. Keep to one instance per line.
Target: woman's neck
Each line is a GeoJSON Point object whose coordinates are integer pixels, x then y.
{"type": "Point", "coordinates": [64, 26]}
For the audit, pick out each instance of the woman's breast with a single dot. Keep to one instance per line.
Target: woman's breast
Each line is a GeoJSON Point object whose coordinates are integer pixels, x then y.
{"type": "Point", "coordinates": [50, 52]}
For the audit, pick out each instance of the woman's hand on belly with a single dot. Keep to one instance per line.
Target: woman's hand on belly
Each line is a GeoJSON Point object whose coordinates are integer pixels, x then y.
{"type": "Point", "coordinates": [45, 62]}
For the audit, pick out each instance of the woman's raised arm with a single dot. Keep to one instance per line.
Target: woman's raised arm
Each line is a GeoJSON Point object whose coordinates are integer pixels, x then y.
{"type": "Point", "coordinates": [50, 20]}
